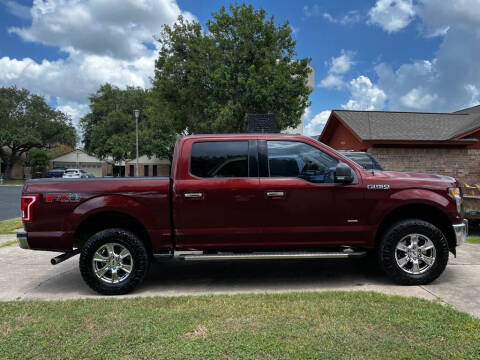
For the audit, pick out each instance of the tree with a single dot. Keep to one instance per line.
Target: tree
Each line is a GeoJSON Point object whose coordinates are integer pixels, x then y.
{"type": "Point", "coordinates": [37, 159]}
{"type": "Point", "coordinates": [26, 121]}
{"type": "Point", "coordinates": [206, 81]}
{"type": "Point", "coordinates": [109, 128]}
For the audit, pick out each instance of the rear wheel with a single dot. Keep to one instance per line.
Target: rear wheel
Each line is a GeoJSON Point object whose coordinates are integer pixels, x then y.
{"type": "Point", "coordinates": [114, 262]}
{"type": "Point", "coordinates": [413, 252]}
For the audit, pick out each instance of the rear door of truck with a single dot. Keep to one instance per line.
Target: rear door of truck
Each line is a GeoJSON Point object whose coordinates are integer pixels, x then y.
{"type": "Point", "coordinates": [216, 195]}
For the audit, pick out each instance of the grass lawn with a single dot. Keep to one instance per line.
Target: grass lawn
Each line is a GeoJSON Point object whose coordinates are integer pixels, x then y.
{"type": "Point", "coordinates": [473, 239]}
{"type": "Point", "coordinates": [329, 325]}
{"type": "Point", "coordinates": [9, 226]}
{"type": "Point", "coordinates": [8, 243]}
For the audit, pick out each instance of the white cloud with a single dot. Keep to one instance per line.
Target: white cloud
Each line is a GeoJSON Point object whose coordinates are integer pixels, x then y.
{"type": "Point", "coordinates": [352, 17]}
{"type": "Point", "coordinates": [315, 126]}
{"type": "Point", "coordinates": [418, 99]}
{"type": "Point", "coordinates": [392, 15]}
{"type": "Point", "coordinates": [441, 14]}
{"type": "Point", "coordinates": [104, 41]}
{"type": "Point", "coordinates": [338, 66]}
{"type": "Point", "coordinates": [365, 95]}
{"type": "Point", "coordinates": [332, 81]}
{"type": "Point", "coordinates": [110, 27]}
{"type": "Point", "coordinates": [448, 81]}
{"type": "Point", "coordinates": [342, 63]}
{"type": "Point", "coordinates": [310, 11]}
{"type": "Point", "coordinates": [16, 9]}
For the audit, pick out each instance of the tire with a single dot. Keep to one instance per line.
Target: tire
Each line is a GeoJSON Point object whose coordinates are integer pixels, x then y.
{"type": "Point", "coordinates": [393, 248]}
{"type": "Point", "coordinates": [122, 274]}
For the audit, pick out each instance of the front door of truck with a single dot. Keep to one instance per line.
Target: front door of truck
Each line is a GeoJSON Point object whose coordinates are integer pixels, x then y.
{"type": "Point", "coordinates": [302, 204]}
{"type": "Point", "coordinates": [217, 198]}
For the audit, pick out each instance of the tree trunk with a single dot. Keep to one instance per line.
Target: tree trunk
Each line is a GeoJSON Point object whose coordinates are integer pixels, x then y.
{"type": "Point", "coordinates": [10, 162]}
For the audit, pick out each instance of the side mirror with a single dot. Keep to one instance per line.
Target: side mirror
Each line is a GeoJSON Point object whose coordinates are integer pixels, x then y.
{"type": "Point", "coordinates": [343, 174]}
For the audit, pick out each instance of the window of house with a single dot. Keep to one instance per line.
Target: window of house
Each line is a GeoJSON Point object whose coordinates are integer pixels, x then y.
{"type": "Point", "coordinates": [154, 170]}
{"type": "Point", "coordinates": [297, 159]}
{"type": "Point", "coordinates": [145, 170]}
{"type": "Point", "coordinates": [132, 172]}
{"type": "Point", "coordinates": [223, 159]}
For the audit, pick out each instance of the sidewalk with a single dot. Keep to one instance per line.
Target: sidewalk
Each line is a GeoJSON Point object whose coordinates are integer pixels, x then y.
{"type": "Point", "coordinates": [7, 238]}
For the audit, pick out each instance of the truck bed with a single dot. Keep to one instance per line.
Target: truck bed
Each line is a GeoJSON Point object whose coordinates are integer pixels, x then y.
{"type": "Point", "coordinates": [69, 202]}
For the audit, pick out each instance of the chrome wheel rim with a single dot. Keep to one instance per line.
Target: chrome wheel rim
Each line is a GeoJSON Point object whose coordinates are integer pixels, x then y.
{"type": "Point", "coordinates": [415, 254]}
{"type": "Point", "coordinates": [112, 263]}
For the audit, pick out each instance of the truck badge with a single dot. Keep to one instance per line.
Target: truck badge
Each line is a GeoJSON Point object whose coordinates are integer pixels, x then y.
{"type": "Point", "coordinates": [378, 187]}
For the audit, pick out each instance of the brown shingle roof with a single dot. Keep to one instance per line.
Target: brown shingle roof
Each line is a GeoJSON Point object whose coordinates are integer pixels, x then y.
{"type": "Point", "coordinates": [408, 126]}
{"type": "Point", "coordinates": [470, 110]}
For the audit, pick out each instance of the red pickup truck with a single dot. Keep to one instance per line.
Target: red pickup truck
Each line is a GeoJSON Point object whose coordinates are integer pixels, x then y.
{"type": "Point", "coordinates": [248, 196]}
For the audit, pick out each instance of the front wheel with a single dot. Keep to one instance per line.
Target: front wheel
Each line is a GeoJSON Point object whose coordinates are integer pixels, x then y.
{"type": "Point", "coordinates": [114, 262]}
{"type": "Point", "coordinates": [413, 252]}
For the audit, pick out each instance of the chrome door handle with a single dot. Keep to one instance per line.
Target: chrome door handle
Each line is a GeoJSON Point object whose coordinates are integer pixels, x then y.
{"type": "Point", "coordinates": [193, 195]}
{"type": "Point", "coordinates": [275, 193]}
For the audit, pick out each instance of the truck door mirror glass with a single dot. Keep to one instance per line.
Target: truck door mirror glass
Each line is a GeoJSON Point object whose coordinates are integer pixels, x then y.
{"type": "Point", "coordinates": [343, 174]}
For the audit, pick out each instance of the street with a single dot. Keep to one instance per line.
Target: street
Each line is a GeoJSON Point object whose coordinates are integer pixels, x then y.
{"type": "Point", "coordinates": [10, 202]}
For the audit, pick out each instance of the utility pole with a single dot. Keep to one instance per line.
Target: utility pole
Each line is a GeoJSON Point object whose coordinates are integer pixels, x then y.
{"type": "Point", "coordinates": [136, 113]}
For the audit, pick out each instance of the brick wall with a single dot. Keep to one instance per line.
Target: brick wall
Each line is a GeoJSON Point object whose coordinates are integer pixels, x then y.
{"type": "Point", "coordinates": [460, 163]}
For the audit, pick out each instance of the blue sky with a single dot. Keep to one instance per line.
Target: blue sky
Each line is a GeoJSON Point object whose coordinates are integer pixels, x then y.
{"type": "Point", "coordinates": [409, 55]}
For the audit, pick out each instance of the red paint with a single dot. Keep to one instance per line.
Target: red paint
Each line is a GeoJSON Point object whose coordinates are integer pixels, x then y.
{"type": "Point", "coordinates": [236, 213]}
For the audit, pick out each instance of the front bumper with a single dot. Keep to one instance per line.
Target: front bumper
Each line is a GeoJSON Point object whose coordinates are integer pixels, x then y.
{"type": "Point", "coordinates": [22, 240]}
{"type": "Point", "coordinates": [461, 232]}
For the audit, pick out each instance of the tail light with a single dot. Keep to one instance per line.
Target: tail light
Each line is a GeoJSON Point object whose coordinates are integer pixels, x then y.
{"type": "Point", "coordinates": [27, 203]}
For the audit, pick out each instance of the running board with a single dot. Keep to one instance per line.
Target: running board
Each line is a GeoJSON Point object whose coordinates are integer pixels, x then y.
{"type": "Point", "coordinates": [273, 255]}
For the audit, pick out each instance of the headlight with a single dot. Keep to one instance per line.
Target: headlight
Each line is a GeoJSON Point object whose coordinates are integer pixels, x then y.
{"type": "Point", "coordinates": [457, 195]}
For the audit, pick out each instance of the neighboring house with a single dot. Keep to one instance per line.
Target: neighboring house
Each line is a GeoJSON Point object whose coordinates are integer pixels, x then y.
{"type": "Point", "coordinates": [148, 166]}
{"type": "Point", "coordinates": [79, 159]}
{"type": "Point", "coordinates": [442, 143]}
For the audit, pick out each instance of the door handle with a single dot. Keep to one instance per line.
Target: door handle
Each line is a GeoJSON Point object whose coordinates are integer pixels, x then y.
{"type": "Point", "coordinates": [193, 195]}
{"type": "Point", "coordinates": [272, 194]}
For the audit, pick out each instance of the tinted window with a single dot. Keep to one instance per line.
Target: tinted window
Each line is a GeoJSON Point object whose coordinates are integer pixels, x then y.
{"type": "Point", "coordinates": [297, 159]}
{"type": "Point", "coordinates": [365, 160]}
{"type": "Point", "coordinates": [220, 159]}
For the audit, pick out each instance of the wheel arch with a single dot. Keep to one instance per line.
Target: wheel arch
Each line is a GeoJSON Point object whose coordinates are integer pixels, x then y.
{"type": "Point", "coordinates": [107, 219]}
{"type": "Point", "coordinates": [419, 211]}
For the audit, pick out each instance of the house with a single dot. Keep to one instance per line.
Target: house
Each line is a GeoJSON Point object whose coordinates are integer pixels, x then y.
{"type": "Point", "coordinates": [79, 159]}
{"type": "Point", "coordinates": [442, 143]}
{"type": "Point", "coordinates": [148, 166]}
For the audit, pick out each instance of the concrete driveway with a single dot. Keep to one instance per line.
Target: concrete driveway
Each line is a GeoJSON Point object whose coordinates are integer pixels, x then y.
{"type": "Point", "coordinates": [10, 201]}
{"type": "Point", "coordinates": [28, 275]}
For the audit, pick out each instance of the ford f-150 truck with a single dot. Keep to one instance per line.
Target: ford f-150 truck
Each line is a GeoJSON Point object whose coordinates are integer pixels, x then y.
{"type": "Point", "coordinates": [246, 196]}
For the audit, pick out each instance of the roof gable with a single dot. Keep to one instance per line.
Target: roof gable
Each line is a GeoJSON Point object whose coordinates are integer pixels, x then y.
{"type": "Point", "coordinates": [77, 156]}
{"type": "Point", "coordinates": [408, 126]}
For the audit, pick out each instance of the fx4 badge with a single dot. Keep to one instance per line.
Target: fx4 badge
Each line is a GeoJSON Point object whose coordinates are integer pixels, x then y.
{"type": "Point", "coordinates": [62, 197]}
{"type": "Point", "coordinates": [378, 187]}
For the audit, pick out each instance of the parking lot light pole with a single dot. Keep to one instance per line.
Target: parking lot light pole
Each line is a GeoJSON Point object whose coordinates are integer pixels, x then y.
{"type": "Point", "coordinates": [136, 113]}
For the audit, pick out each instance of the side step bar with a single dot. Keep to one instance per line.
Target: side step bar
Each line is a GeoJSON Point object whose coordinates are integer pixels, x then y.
{"type": "Point", "coordinates": [273, 255]}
